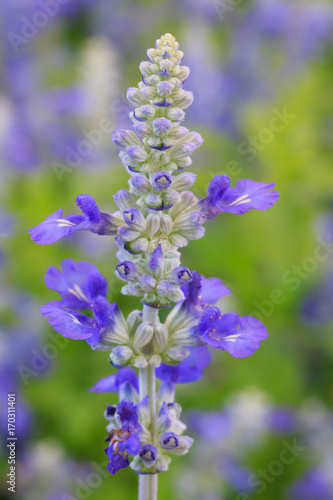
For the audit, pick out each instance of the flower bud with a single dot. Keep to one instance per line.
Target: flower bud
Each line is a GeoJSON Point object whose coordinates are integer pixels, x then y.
{"type": "Point", "coordinates": [181, 149]}
{"type": "Point", "coordinates": [124, 138]}
{"type": "Point", "coordinates": [147, 283]}
{"type": "Point", "coordinates": [152, 80]}
{"type": "Point", "coordinates": [133, 289]}
{"type": "Point", "coordinates": [153, 224]}
{"type": "Point", "coordinates": [143, 335]}
{"type": "Point", "coordinates": [169, 440]}
{"type": "Point", "coordinates": [152, 54]}
{"type": "Point", "coordinates": [175, 354]}
{"type": "Point", "coordinates": [146, 68]}
{"type": "Point", "coordinates": [171, 197]}
{"type": "Point", "coordinates": [181, 275]}
{"type": "Point", "coordinates": [182, 72]}
{"type": "Point", "coordinates": [184, 162]}
{"type": "Point", "coordinates": [140, 184]}
{"type": "Point", "coordinates": [124, 199]}
{"type": "Point", "coordinates": [166, 224]}
{"type": "Point", "coordinates": [166, 65]}
{"type": "Point", "coordinates": [140, 362]}
{"type": "Point", "coordinates": [195, 138]}
{"type": "Point", "coordinates": [176, 114]}
{"type": "Point", "coordinates": [148, 92]}
{"type": "Point", "coordinates": [178, 55]}
{"type": "Point", "coordinates": [164, 88]}
{"type": "Point", "coordinates": [136, 153]}
{"type": "Point", "coordinates": [155, 263]}
{"type": "Point", "coordinates": [162, 463]}
{"type": "Point", "coordinates": [161, 336]}
{"type": "Point", "coordinates": [155, 360]}
{"type": "Point", "coordinates": [190, 220]}
{"type": "Point", "coordinates": [185, 100]}
{"type": "Point", "coordinates": [163, 419]}
{"type": "Point", "coordinates": [148, 454]}
{"type": "Point", "coordinates": [176, 295]}
{"type": "Point", "coordinates": [135, 97]}
{"type": "Point", "coordinates": [134, 219]}
{"type": "Point", "coordinates": [134, 319]}
{"type": "Point", "coordinates": [185, 443]}
{"type": "Point", "coordinates": [153, 200]}
{"type": "Point", "coordinates": [161, 126]}
{"type": "Point", "coordinates": [194, 233]}
{"type": "Point", "coordinates": [177, 132]}
{"type": "Point", "coordinates": [164, 288]}
{"type": "Point", "coordinates": [150, 299]}
{"type": "Point", "coordinates": [120, 356]}
{"type": "Point", "coordinates": [128, 271]}
{"type": "Point", "coordinates": [140, 245]}
{"type": "Point", "coordinates": [161, 181]}
{"type": "Point", "coordinates": [146, 111]}
{"type": "Point", "coordinates": [143, 129]}
{"type": "Point", "coordinates": [177, 240]}
{"type": "Point", "coordinates": [184, 181]}
{"type": "Point", "coordinates": [127, 234]}
{"type": "Point", "coordinates": [188, 202]}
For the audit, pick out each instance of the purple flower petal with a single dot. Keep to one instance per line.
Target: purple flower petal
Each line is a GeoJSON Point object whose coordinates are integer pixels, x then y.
{"type": "Point", "coordinates": [212, 289]}
{"type": "Point", "coordinates": [189, 370]}
{"type": "Point", "coordinates": [55, 227]}
{"type": "Point", "coordinates": [247, 195]}
{"type": "Point", "coordinates": [70, 323]}
{"type": "Point", "coordinates": [113, 382]}
{"type": "Point", "coordinates": [240, 336]}
{"type": "Point", "coordinates": [77, 284]}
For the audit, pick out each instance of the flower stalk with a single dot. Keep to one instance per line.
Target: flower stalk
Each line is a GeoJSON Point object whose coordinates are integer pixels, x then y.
{"type": "Point", "coordinates": [156, 217]}
{"type": "Point", "coordinates": [148, 486]}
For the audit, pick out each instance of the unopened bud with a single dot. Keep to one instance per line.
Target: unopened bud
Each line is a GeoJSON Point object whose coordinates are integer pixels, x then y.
{"type": "Point", "coordinates": [143, 335]}
{"type": "Point", "coordinates": [121, 356]}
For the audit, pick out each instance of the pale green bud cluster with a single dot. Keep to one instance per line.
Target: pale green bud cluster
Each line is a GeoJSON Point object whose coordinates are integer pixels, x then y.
{"type": "Point", "coordinates": [157, 210]}
{"type": "Point", "coordinates": [142, 343]}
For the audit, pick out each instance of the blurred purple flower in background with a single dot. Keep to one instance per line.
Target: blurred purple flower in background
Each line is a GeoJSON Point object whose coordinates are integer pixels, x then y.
{"type": "Point", "coordinates": [45, 471]}
{"type": "Point", "coordinates": [316, 306]}
{"type": "Point", "coordinates": [48, 122]}
{"type": "Point", "coordinates": [267, 46]}
{"type": "Point", "coordinates": [225, 438]}
{"type": "Point", "coordinates": [315, 426]}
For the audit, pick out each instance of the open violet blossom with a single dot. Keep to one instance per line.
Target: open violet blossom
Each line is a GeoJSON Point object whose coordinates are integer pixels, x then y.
{"type": "Point", "coordinates": [80, 286]}
{"type": "Point", "coordinates": [245, 196]}
{"type": "Point", "coordinates": [156, 217]}
{"type": "Point", "coordinates": [240, 336]}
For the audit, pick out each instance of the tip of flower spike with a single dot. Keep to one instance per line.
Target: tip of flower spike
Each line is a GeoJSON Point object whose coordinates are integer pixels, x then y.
{"type": "Point", "coordinates": [166, 40]}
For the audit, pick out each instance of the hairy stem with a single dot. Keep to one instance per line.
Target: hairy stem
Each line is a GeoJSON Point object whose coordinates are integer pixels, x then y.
{"type": "Point", "coordinates": [147, 385]}
{"type": "Point", "coordinates": [147, 487]}
{"type": "Point", "coordinates": [152, 403]}
{"type": "Point", "coordinates": [143, 382]}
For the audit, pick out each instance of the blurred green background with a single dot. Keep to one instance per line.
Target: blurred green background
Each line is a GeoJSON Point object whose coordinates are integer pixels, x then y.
{"type": "Point", "coordinates": [254, 254]}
